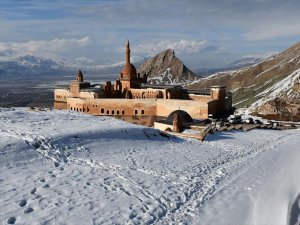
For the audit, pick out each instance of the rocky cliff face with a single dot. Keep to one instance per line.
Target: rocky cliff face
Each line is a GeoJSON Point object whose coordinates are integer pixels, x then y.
{"type": "Point", "coordinates": [281, 101]}
{"type": "Point", "coordinates": [166, 68]}
{"type": "Point", "coordinates": [263, 86]}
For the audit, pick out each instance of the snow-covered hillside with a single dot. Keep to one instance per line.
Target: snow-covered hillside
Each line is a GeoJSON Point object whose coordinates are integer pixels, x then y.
{"type": "Point", "coordinates": [286, 89]}
{"type": "Point", "coordinates": [62, 167]}
{"type": "Point", "coordinates": [273, 85]}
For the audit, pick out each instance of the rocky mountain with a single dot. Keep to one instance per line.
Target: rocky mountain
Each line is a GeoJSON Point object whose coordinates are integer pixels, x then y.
{"type": "Point", "coordinates": [270, 88]}
{"type": "Point", "coordinates": [166, 68]}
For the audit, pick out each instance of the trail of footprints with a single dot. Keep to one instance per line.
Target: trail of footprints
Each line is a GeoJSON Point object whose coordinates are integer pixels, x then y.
{"type": "Point", "coordinates": [26, 204]}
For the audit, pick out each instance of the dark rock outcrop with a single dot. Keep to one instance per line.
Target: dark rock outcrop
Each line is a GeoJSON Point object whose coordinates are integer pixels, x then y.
{"type": "Point", "coordinates": [166, 68]}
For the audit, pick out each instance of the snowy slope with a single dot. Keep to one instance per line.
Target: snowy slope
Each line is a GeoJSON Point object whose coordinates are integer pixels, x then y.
{"type": "Point", "coordinates": [248, 85]}
{"type": "Point", "coordinates": [62, 167]}
{"type": "Point", "coordinates": [282, 89]}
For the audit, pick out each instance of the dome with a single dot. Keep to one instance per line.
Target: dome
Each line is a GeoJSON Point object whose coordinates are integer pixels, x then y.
{"type": "Point", "coordinates": [129, 72]}
{"type": "Point", "coordinates": [183, 115]}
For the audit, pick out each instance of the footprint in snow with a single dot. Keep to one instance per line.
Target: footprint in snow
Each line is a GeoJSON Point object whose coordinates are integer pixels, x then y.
{"type": "Point", "coordinates": [33, 191]}
{"type": "Point", "coordinates": [42, 180]}
{"type": "Point", "coordinates": [11, 220]}
{"type": "Point", "coordinates": [28, 210]}
{"type": "Point", "coordinates": [22, 203]}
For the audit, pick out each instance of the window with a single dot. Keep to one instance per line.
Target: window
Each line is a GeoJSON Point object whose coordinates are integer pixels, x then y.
{"type": "Point", "coordinates": [102, 110]}
{"type": "Point", "coordinates": [113, 112]}
{"type": "Point", "coordinates": [107, 111]}
{"type": "Point", "coordinates": [87, 109]}
{"type": "Point", "coordinates": [118, 112]}
{"type": "Point", "coordinates": [142, 112]}
{"type": "Point", "coordinates": [135, 112]}
{"type": "Point", "coordinates": [71, 108]}
{"type": "Point", "coordinates": [123, 112]}
{"type": "Point", "coordinates": [83, 110]}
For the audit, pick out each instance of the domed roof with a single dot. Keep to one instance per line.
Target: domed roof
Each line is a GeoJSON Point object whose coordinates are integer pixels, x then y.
{"type": "Point", "coordinates": [129, 72]}
{"type": "Point", "coordinates": [183, 115]}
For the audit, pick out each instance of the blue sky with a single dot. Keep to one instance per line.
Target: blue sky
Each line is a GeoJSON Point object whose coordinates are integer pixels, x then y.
{"type": "Point", "coordinates": [203, 33]}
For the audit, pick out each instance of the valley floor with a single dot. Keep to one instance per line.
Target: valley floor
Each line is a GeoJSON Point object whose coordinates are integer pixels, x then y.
{"type": "Point", "coordinates": [62, 167]}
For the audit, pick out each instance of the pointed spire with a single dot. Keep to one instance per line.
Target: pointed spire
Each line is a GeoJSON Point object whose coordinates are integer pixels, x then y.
{"type": "Point", "coordinates": [79, 73]}
{"type": "Point", "coordinates": [79, 76]}
{"type": "Point", "coordinates": [127, 53]}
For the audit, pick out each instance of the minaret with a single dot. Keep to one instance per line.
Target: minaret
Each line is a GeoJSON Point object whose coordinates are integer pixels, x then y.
{"type": "Point", "coordinates": [127, 53]}
{"type": "Point", "coordinates": [79, 76]}
{"type": "Point", "coordinates": [128, 75]}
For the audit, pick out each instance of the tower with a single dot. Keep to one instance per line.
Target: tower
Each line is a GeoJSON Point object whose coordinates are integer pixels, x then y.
{"type": "Point", "coordinates": [218, 93]}
{"type": "Point", "coordinates": [78, 84]}
{"type": "Point", "coordinates": [128, 75]}
{"type": "Point", "coordinates": [79, 76]}
{"type": "Point", "coordinates": [127, 52]}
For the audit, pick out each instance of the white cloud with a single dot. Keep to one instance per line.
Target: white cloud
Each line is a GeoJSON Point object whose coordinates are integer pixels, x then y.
{"type": "Point", "coordinates": [46, 48]}
{"type": "Point", "coordinates": [182, 46]}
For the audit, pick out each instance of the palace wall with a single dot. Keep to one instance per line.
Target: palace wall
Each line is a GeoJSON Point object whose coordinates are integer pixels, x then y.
{"type": "Point", "coordinates": [204, 98]}
{"type": "Point", "coordinates": [114, 107]}
{"type": "Point", "coordinates": [142, 107]}
{"type": "Point", "coordinates": [61, 96]}
{"type": "Point", "coordinates": [196, 109]}
{"type": "Point", "coordinates": [148, 93]}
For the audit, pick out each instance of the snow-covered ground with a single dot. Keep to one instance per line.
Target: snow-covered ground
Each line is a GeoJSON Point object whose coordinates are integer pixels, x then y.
{"type": "Point", "coordinates": [63, 167]}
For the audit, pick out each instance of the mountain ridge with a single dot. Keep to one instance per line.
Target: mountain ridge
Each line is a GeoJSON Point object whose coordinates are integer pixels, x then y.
{"type": "Point", "coordinates": [31, 65]}
{"type": "Point", "coordinates": [166, 68]}
{"type": "Point", "coordinates": [253, 83]}
{"type": "Point", "coordinates": [246, 61]}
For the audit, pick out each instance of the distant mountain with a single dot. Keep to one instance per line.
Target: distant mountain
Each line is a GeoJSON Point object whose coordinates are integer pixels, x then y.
{"type": "Point", "coordinates": [113, 68]}
{"type": "Point", "coordinates": [270, 88]}
{"type": "Point", "coordinates": [238, 64]}
{"type": "Point", "coordinates": [163, 68]}
{"type": "Point", "coordinates": [166, 68]}
{"type": "Point", "coordinates": [29, 65]}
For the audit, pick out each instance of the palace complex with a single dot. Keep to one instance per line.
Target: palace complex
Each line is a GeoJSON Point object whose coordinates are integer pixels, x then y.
{"type": "Point", "coordinates": [132, 99]}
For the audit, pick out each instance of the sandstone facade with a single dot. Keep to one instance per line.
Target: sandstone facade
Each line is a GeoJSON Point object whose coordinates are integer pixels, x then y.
{"type": "Point", "coordinates": [130, 98]}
